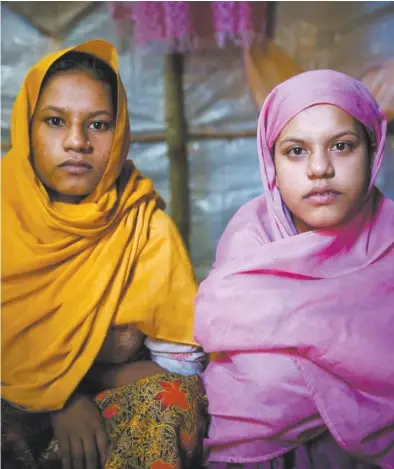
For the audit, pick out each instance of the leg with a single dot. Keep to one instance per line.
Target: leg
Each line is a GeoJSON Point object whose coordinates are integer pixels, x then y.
{"type": "Point", "coordinates": [157, 423]}
{"type": "Point", "coordinates": [24, 437]}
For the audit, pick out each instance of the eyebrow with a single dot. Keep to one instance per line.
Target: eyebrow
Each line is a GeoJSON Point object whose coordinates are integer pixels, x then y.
{"type": "Point", "coordinates": [334, 137]}
{"type": "Point", "coordinates": [64, 110]}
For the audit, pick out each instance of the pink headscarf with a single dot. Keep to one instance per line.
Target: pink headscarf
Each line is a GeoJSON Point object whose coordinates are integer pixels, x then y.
{"type": "Point", "coordinates": [304, 322]}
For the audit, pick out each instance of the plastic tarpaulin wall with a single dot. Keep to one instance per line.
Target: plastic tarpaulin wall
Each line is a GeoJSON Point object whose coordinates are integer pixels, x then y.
{"type": "Point", "coordinates": [348, 36]}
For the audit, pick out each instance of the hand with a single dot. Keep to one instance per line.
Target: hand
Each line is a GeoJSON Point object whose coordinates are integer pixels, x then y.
{"type": "Point", "coordinates": [80, 432]}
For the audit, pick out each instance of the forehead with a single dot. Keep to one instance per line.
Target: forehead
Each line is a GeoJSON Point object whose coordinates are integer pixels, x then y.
{"type": "Point", "coordinates": [320, 121]}
{"type": "Point", "coordinates": [75, 88]}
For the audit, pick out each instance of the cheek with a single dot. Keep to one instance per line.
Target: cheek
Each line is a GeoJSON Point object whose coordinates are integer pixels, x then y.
{"type": "Point", "coordinates": [103, 152]}
{"type": "Point", "coordinates": [290, 196]}
{"type": "Point", "coordinates": [39, 152]}
{"type": "Point", "coordinates": [290, 180]}
{"type": "Point", "coordinates": [44, 147]}
{"type": "Point", "coordinates": [355, 176]}
{"type": "Point", "coordinates": [102, 159]}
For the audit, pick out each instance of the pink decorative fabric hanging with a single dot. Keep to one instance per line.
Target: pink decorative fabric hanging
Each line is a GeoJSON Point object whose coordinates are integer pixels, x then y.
{"type": "Point", "coordinates": [182, 26]}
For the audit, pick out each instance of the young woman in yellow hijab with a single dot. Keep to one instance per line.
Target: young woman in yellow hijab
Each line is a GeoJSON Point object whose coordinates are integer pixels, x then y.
{"type": "Point", "coordinates": [99, 363]}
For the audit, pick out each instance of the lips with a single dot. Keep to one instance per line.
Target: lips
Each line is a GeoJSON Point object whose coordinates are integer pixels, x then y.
{"type": "Point", "coordinates": [322, 196]}
{"type": "Point", "coordinates": [76, 166]}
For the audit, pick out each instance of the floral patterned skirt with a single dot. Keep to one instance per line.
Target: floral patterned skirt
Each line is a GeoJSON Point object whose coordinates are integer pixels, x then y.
{"type": "Point", "coordinates": [156, 423]}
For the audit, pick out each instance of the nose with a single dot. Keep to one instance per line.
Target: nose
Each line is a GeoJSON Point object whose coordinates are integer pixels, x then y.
{"type": "Point", "coordinates": [76, 139]}
{"type": "Point", "coordinates": [320, 165]}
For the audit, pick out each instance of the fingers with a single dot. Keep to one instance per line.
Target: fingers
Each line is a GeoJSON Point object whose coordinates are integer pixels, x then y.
{"type": "Point", "coordinates": [90, 451]}
{"type": "Point", "coordinates": [81, 436]}
{"type": "Point", "coordinates": [102, 446]}
{"type": "Point", "coordinates": [78, 456]}
{"type": "Point", "coordinates": [83, 454]}
{"type": "Point", "coordinates": [65, 452]}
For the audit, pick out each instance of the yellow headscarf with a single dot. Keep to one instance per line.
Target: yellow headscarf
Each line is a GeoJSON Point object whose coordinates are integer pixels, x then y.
{"type": "Point", "coordinates": [71, 271]}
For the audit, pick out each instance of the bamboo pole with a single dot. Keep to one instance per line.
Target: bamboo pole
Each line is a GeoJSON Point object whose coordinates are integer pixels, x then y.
{"type": "Point", "coordinates": [176, 138]}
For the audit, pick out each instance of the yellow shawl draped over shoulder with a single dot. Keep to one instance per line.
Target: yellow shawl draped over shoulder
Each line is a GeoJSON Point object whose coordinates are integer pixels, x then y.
{"type": "Point", "coordinates": [69, 272]}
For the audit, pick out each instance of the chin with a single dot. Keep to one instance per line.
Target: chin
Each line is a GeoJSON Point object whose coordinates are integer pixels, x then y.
{"type": "Point", "coordinates": [74, 192]}
{"type": "Point", "coordinates": [324, 224]}
{"type": "Point", "coordinates": [324, 217]}
{"type": "Point", "coordinates": [67, 196]}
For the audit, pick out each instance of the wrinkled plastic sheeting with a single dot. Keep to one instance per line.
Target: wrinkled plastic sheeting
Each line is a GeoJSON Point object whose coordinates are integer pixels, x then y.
{"type": "Point", "coordinates": [21, 46]}
{"type": "Point", "coordinates": [346, 36]}
{"type": "Point", "coordinates": [224, 174]}
{"type": "Point", "coordinates": [214, 82]}
{"type": "Point", "coordinates": [216, 93]}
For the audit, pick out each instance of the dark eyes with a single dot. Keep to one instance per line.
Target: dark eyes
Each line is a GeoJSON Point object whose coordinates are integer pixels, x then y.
{"type": "Point", "coordinates": [99, 126]}
{"type": "Point", "coordinates": [295, 151]}
{"type": "Point", "coordinates": [55, 121]}
{"type": "Point", "coordinates": [342, 146]}
{"type": "Point", "coordinates": [339, 147]}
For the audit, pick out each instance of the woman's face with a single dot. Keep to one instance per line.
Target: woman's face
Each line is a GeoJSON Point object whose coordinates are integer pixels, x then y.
{"type": "Point", "coordinates": [322, 167]}
{"type": "Point", "coordinates": [71, 134]}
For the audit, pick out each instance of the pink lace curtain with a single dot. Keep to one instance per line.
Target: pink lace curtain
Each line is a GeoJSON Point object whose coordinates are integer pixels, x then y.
{"type": "Point", "coordinates": [181, 26]}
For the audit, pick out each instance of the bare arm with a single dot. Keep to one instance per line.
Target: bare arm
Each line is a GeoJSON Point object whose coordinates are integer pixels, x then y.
{"type": "Point", "coordinates": [101, 377]}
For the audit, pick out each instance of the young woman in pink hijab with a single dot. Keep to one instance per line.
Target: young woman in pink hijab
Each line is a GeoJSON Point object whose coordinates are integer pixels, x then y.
{"type": "Point", "coordinates": [298, 311]}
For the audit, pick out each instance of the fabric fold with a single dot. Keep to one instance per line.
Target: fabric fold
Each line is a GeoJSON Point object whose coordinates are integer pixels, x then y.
{"type": "Point", "coordinates": [302, 324]}
{"type": "Point", "coordinates": [70, 271]}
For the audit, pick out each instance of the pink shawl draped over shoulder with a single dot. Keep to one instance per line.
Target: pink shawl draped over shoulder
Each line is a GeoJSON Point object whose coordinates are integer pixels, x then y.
{"type": "Point", "coordinates": [303, 324]}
